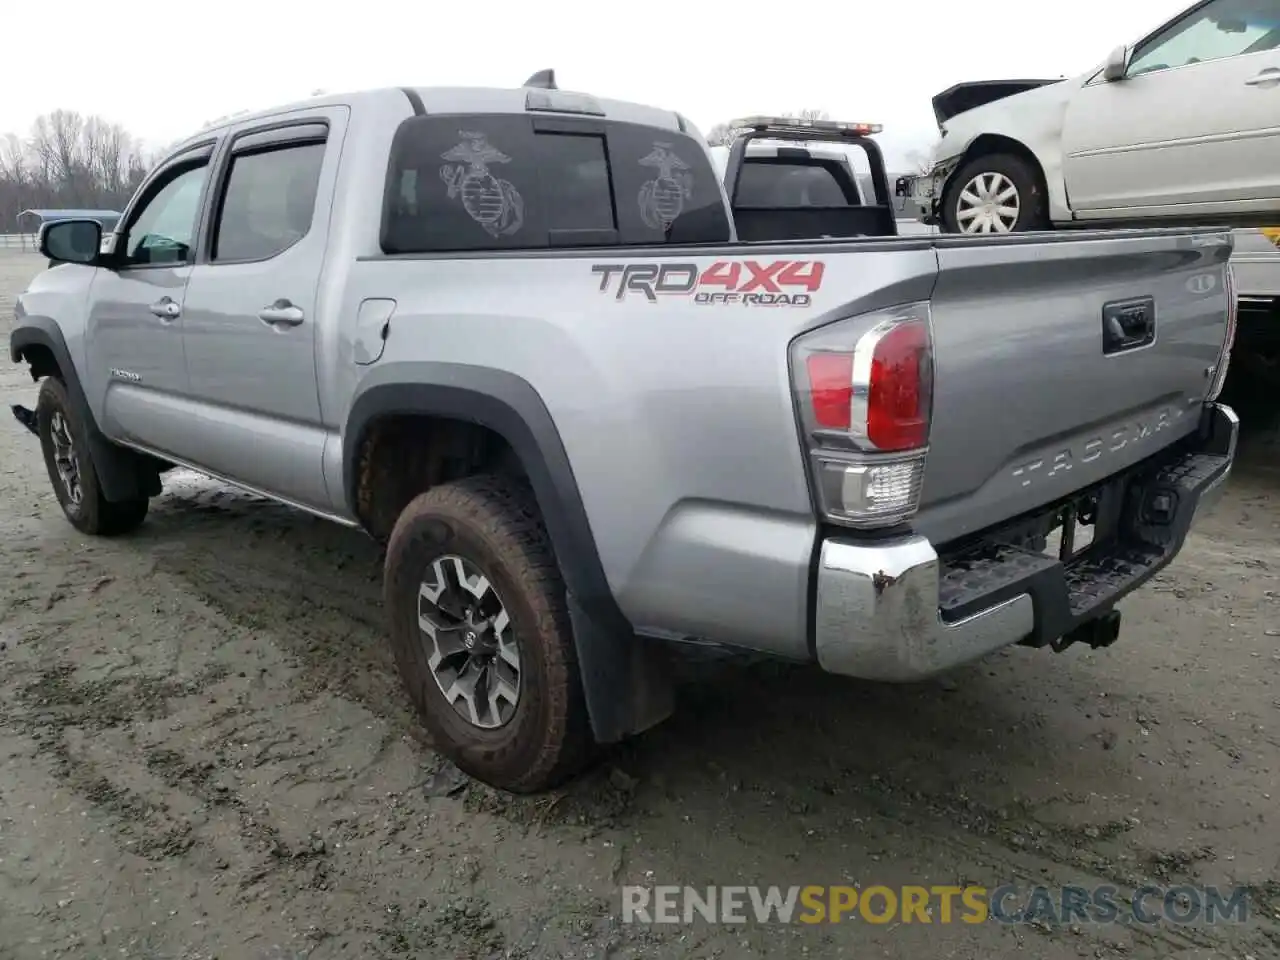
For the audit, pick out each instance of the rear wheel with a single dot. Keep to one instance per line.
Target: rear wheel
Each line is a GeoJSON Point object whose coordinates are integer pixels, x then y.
{"type": "Point", "coordinates": [481, 634]}
{"type": "Point", "coordinates": [999, 193]}
{"type": "Point", "coordinates": [71, 469]}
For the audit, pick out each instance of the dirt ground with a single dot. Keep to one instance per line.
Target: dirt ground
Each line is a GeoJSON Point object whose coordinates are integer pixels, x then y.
{"type": "Point", "coordinates": [205, 752]}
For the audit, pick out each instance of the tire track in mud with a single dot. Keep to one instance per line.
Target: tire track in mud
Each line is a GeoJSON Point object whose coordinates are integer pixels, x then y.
{"type": "Point", "coordinates": [89, 732]}
{"type": "Point", "coordinates": [61, 714]}
{"type": "Point", "coordinates": [1016, 845]}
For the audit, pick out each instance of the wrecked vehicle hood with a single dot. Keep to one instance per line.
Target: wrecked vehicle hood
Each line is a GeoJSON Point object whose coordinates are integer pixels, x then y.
{"type": "Point", "coordinates": [964, 97]}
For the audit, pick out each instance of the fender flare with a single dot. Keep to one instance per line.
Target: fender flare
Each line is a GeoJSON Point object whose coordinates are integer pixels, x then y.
{"type": "Point", "coordinates": [1052, 174]}
{"type": "Point", "coordinates": [508, 405]}
{"type": "Point", "coordinates": [119, 476]}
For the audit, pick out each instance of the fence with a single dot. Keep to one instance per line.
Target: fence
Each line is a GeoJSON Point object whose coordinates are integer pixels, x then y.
{"type": "Point", "coordinates": [18, 241]}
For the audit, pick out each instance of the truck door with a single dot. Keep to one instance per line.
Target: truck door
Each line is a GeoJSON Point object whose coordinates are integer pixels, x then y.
{"type": "Point", "coordinates": [135, 367]}
{"type": "Point", "coordinates": [1192, 122]}
{"type": "Point", "coordinates": [252, 304]}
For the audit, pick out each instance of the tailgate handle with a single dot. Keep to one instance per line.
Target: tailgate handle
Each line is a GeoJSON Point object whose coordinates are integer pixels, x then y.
{"type": "Point", "coordinates": [1128, 324]}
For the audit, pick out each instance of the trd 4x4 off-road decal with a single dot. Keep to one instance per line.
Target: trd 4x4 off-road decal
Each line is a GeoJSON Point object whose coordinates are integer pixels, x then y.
{"type": "Point", "coordinates": [493, 203]}
{"type": "Point", "coordinates": [777, 283]}
{"type": "Point", "coordinates": [662, 198]}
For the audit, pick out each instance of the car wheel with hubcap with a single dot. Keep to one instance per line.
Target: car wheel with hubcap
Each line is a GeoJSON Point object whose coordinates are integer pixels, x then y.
{"type": "Point", "coordinates": [1000, 193]}
{"type": "Point", "coordinates": [481, 634]}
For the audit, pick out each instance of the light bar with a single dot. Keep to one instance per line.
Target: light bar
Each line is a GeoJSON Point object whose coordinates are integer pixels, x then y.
{"type": "Point", "coordinates": [793, 125]}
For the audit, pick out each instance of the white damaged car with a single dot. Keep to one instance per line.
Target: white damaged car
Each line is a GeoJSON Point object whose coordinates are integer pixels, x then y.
{"type": "Point", "coordinates": [1181, 126]}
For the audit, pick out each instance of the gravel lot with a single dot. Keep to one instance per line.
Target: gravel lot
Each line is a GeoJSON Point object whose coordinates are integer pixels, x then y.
{"type": "Point", "coordinates": [205, 752]}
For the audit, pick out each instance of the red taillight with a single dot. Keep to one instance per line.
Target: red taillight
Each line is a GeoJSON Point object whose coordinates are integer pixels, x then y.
{"type": "Point", "coordinates": [899, 391]}
{"type": "Point", "coordinates": [864, 392]}
{"type": "Point", "coordinates": [831, 389]}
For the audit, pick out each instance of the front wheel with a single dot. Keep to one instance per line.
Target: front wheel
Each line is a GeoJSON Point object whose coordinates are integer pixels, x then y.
{"type": "Point", "coordinates": [1000, 193]}
{"type": "Point", "coordinates": [481, 634]}
{"type": "Point", "coordinates": [64, 441]}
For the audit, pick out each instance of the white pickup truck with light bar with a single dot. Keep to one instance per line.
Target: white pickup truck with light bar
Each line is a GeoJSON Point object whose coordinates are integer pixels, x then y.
{"type": "Point", "coordinates": [594, 403]}
{"type": "Point", "coordinates": [787, 173]}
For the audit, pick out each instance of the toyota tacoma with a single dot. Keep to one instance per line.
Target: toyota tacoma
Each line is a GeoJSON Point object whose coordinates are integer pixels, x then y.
{"type": "Point", "coordinates": [523, 338]}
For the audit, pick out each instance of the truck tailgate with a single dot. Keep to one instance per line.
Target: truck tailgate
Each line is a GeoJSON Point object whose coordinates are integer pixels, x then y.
{"type": "Point", "coordinates": [1062, 359]}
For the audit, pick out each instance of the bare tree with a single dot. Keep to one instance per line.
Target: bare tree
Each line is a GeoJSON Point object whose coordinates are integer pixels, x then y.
{"type": "Point", "coordinates": [68, 160]}
{"type": "Point", "coordinates": [13, 160]}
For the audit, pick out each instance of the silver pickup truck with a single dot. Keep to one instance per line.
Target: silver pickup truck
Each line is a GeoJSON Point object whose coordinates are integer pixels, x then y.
{"type": "Point", "coordinates": [514, 335]}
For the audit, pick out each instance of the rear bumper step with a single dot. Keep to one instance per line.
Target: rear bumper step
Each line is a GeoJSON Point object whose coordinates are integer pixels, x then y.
{"type": "Point", "coordinates": [902, 611]}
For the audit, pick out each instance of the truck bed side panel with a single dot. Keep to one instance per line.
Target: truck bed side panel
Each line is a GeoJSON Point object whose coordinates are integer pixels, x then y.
{"type": "Point", "coordinates": [676, 416]}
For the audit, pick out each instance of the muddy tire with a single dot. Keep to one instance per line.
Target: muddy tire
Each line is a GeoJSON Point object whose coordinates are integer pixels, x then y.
{"type": "Point", "coordinates": [65, 444]}
{"type": "Point", "coordinates": [998, 193]}
{"type": "Point", "coordinates": [481, 634]}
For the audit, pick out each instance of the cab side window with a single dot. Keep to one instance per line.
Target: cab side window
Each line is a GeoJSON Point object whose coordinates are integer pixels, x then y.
{"type": "Point", "coordinates": [163, 230]}
{"type": "Point", "coordinates": [1223, 28]}
{"type": "Point", "coordinates": [269, 202]}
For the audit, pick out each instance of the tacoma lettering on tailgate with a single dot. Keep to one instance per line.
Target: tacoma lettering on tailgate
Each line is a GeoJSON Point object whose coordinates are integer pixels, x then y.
{"type": "Point", "coordinates": [1090, 449]}
{"type": "Point", "coordinates": [777, 283]}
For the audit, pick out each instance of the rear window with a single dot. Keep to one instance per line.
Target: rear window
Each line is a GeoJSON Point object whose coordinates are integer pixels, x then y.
{"type": "Point", "coordinates": [768, 182]}
{"type": "Point", "coordinates": [577, 195]}
{"type": "Point", "coordinates": [511, 182]}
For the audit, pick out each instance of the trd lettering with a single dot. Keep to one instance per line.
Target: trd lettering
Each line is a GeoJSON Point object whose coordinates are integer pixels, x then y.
{"type": "Point", "coordinates": [778, 283]}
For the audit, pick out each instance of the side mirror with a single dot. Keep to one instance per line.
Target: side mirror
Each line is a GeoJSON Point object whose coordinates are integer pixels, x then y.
{"type": "Point", "coordinates": [71, 241]}
{"type": "Point", "coordinates": [1117, 65]}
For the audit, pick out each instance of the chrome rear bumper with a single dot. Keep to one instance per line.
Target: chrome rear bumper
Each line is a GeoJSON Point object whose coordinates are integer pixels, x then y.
{"type": "Point", "coordinates": [896, 611]}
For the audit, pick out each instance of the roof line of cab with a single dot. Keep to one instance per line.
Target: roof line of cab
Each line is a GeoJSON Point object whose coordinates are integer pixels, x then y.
{"type": "Point", "coordinates": [427, 100]}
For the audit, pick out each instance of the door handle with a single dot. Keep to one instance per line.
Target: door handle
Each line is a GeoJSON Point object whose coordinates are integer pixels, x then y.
{"type": "Point", "coordinates": [282, 313]}
{"type": "Point", "coordinates": [1269, 75]}
{"type": "Point", "coordinates": [166, 308]}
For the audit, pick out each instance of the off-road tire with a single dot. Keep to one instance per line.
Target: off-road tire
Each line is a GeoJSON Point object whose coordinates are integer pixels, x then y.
{"type": "Point", "coordinates": [493, 523]}
{"type": "Point", "coordinates": [94, 514]}
{"type": "Point", "coordinates": [1033, 200]}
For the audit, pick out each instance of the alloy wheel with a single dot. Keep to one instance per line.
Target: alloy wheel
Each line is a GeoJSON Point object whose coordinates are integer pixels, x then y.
{"type": "Point", "coordinates": [471, 648]}
{"type": "Point", "coordinates": [64, 457]}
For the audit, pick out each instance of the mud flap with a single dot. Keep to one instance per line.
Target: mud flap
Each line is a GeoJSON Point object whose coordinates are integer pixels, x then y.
{"type": "Point", "coordinates": [625, 679]}
{"type": "Point", "coordinates": [25, 417]}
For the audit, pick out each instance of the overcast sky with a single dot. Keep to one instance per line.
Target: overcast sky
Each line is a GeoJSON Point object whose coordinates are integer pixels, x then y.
{"type": "Point", "coordinates": [164, 70]}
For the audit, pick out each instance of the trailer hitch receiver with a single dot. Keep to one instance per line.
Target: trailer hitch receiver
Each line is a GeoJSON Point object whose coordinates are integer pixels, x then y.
{"type": "Point", "coordinates": [1099, 633]}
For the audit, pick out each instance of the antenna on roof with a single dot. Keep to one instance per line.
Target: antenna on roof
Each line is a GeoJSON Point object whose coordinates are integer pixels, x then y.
{"type": "Point", "coordinates": [543, 80]}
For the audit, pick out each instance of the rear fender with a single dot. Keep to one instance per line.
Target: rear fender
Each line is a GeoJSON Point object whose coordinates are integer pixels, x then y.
{"type": "Point", "coordinates": [622, 681]}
